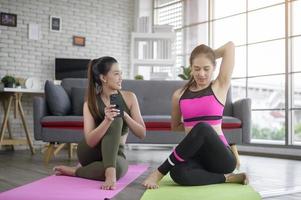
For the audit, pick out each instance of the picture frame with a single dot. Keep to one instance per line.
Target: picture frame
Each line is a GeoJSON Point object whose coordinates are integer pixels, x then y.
{"type": "Point", "coordinates": [8, 19]}
{"type": "Point", "coordinates": [55, 23]}
{"type": "Point", "coordinates": [79, 40]}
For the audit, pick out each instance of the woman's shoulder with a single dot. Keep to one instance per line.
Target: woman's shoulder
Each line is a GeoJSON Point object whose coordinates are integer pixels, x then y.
{"type": "Point", "coordinates": [127, 93]}
{"type": "Point", "coordinates": [178, 93]}
{"type": "Point", "coordinates": [128, 96]}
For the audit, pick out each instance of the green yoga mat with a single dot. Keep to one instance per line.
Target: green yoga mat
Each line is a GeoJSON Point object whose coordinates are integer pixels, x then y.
{"type": "Point", "coordinates": [226, 191]}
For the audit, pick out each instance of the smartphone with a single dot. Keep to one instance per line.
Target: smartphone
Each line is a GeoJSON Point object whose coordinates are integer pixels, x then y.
{"type": "Point", "coordinates": [116, 99]}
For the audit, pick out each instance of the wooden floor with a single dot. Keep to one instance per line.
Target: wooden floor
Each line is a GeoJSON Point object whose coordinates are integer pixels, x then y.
{"type": "Point", "coordinates": [268, 176]}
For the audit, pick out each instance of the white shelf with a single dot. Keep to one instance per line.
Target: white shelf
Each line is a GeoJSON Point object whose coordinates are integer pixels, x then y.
{"type": "Point", "coordinates": [153, 62]}
{"type": "Point", "coordinates": [151, 50]}
{"type": "Point", "coordinates": [22, 90]}
{"type": "Point", "coordinates": [153, 36]}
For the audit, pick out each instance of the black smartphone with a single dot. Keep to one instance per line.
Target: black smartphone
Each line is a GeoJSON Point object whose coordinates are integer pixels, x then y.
{"type": "Point", "coordinates": [115, 99]}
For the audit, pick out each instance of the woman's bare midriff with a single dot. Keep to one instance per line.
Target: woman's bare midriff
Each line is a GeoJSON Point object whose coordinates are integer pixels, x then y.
{"type": "Point", "coordinates": [217, 128]}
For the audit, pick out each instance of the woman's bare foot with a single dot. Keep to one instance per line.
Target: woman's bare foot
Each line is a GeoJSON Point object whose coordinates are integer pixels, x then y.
{"type": "Point", "coordinates": [151, 182]}
{"type": "Point", "coordinates": [110, 181]}
{"type": "Point", "coordinates": [241, 178]}
{"type": "Point", "coordinates": [65, 170]}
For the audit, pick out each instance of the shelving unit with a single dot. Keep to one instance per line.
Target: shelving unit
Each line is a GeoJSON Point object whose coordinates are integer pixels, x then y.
{"type": "Point", "coordinates": [150, 50]}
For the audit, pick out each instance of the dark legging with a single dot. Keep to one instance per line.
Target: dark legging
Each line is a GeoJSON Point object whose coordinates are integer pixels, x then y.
{"type": "Point", "coordinates": [107, 153]}
{"type": "Point", "coordinates": [201, 158]}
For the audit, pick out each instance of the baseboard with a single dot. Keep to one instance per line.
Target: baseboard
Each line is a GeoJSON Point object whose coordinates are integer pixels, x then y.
{"type": "Point", "coordinates": [273, 152]}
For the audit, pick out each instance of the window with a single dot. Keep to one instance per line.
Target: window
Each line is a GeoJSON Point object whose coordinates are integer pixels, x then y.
{"type": "Point", "coordinates": [296, 17]}
{"type": "Point", "coordinates": [240, 63]}
{"type": "Point", "coordinates": [268, 127]}
{"type": "Point", "coordinates": [229, 29]}
{"type": "Point", "coordinates": [195, 35]}
{"type": "Point", "coordinates": [222, 8]}
{"type": "Point", "coordinates": [266, 58]}
{"type": "Point", "coordinates": [296, 49]}
{"type": "Point", "coordinates": [196, 11]}
{"type": "Point", "coordinates": [258, 30]}
{"type": "Point", "coordinates": [238, 87]}
{"type": "Point", "coordinates": [255, 4]}
{"type": "Point", "coordinates": [170, 14]}
{"type": "Point", "coordinates": [295, 42]}
{"type": "Point", "coordinates": [297, 127]}
{"type": "Point", "coordinates": [267, 92]}
{"type": "Point", "coordinates": [297, 90]}
{"type": "Point", "coordinates": [266, 24]}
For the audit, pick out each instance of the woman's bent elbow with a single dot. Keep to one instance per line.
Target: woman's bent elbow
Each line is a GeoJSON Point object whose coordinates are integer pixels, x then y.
{"type": "Point", "coordinates": [89, 142]}
{"type": "Point", "coordinates": [142, 135]}
{"type": "Point", "coordinates": [231, 44]}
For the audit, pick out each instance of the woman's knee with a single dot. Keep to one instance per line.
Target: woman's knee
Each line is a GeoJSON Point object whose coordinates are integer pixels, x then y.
{"type": "Point", "coordinates": [200, 130]}
{"type": "Point", "coordinates": [179, 175]}
{"type": "Point", "coordinates": [230, 165]}
{"type": "Point", "coordinates": [202, 125]}
{"type": "Point", "coordinates": [116, 125]}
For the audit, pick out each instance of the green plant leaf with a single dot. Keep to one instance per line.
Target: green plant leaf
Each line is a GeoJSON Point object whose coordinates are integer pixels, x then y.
{"type": "Point", "coordinates": [182, 76]}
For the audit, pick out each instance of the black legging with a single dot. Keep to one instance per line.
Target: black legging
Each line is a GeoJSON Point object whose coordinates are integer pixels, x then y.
{"type": "Point", "coordinates": [201, 158]}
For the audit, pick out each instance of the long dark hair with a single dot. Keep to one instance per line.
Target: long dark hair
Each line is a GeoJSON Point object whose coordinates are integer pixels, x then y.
{"type": "Point", "coordinates": [197, 51]}
{"type": "Point", "coordinates": [96, 67]}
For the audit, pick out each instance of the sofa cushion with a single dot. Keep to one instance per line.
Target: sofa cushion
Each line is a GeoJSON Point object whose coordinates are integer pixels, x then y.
{"type": "Point", "coordinates": [231, 122]}
{"type": "Point", "coordinates": [152, 122]}
{"type": "Point", "coordinates": [57, 99]}
{"type": "Point", "coordinates": [154, 96]}
{"type": "Point", "coordinates": [77, 100]}
{"type": "Point", "coordinates": [63, 122]}
{"type": "Point", "coordinates": [69, 83]}
{"type": "Point", "coordinates": [157, 122]}
{"type": "Point", "coordinates": [162, 122]}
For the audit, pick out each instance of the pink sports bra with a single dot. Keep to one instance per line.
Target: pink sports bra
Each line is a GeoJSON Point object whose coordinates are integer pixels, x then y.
{"type": "Point", "coordinates": [201, 106]}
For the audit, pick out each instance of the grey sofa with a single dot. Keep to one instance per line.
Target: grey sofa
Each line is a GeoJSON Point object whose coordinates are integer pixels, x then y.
{"type": "Point", "coordinates": [154, 98]}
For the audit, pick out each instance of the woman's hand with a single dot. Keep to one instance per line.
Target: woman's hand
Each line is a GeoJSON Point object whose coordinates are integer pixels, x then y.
{"type": "Point", "coordinates": [134, 119]}
{"type": "Point", "coordinates": [111, 112]}
{"type": "Point", "coordinates": [126, 115]}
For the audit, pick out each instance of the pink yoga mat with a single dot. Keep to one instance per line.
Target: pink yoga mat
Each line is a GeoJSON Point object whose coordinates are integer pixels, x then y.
{"type": "Point", "coordinates": [73, 188]}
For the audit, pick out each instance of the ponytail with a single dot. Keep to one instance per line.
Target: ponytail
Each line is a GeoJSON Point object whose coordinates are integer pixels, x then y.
{"type": "Point", "coordinates": [92, 93]}
{"type": "Point", "coordinates": [96, 67]}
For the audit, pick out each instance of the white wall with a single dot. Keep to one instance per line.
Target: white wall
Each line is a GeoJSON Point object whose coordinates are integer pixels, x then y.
{"type": "Point", "coordinates": [106, 25]}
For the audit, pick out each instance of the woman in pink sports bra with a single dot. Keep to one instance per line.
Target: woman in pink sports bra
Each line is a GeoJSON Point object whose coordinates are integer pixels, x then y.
{"type": "Point", "coordinates": [204, 156]}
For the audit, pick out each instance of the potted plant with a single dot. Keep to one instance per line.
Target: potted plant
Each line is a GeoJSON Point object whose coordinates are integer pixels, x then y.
{"type": "Point", "coordinates": [139, 77]}
{"type": "Point", "coordinates": [20, 82]}
{"type": "Point", "coordinates": [186, 73]}
{"type": "Point", "coordinates": [8, 81]}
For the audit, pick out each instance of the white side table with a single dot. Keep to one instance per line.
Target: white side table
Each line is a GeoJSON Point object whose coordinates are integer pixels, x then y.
{"type": "Point", "coordinates": [11, 95]}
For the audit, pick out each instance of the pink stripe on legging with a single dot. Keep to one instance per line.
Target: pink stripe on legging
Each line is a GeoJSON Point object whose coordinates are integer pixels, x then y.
{"type": "Point", "coordinates": [177, 157]}
{"type": "Point", "coordinates": [223, 139]}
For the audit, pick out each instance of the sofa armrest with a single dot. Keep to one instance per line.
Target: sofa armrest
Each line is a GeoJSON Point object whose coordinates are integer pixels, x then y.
{"type": "Point", "coordinates": [39, 111]}
{"type": "Point", "coordinates": [242, 111]}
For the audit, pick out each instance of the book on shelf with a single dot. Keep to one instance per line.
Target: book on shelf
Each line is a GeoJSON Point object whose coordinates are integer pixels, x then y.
{"type": "Point", "coordinates": [143, 24]}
